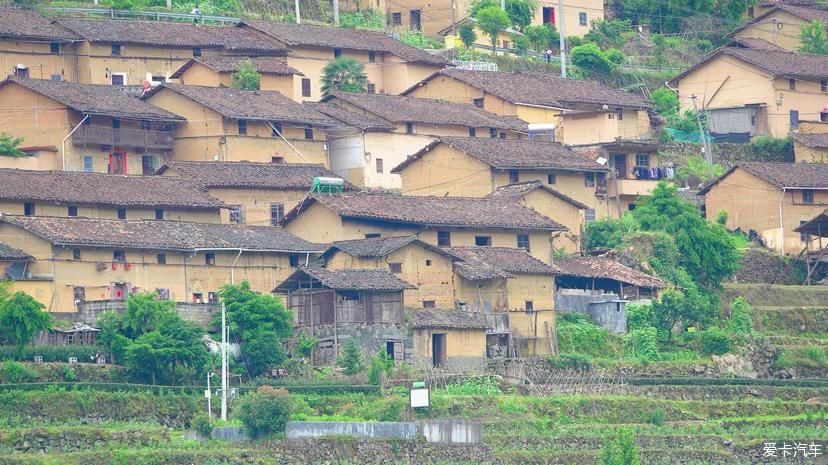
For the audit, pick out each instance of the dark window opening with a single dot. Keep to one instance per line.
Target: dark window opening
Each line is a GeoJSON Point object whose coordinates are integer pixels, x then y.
{"type": "Point", "coordinates": [198, 297]}
{"type": "Point", "coordinates": [159, 213]}
{"type": "Point", "coordinates": [792, 84]}
{"type": "Point", "coordinates": [277, 159]}
{"type": "Point", "coordinates": [119, 256]}
{"type": "Point", "coordinates": [294, 261]}
{"type": "Point", "coordinates": [483, 241]}
{"type": "Point", "coordinates": [275, 129]}
{"type": "Point", "coordinates": [523, 242]}
{"type": "Point", "coordinates": [306, 87]}
{"type": "Point", "coordinates": [79, 293]}
{"type": "Point", "coordinates": [277, 212]}
{"type": "Point", "coordinates": [372, 56]}
{"type": "Point", "coordinates": [802, 236]}
{"type": "Point", "coordinates": [514, 176]}
{"type": "Point", "coordinates": [379, 163]}
{"type": "Point", "coordinates": [429, 304]}
{"type": "Point", "coordinates": [29, 209]}
{"type": "Point", "coordinates": [72, 211]}
{"type": "Point", "coordinates": [161, 259]}
{"type": "Point", "coordinates": [428, 262]}
{"type": "Point", "coordinates": [807, 196]}
{"type": "Point", "coordinates": [242, 127]}
{"type": "Point", "coordinates": [472, 132]}
{"type": "Point", "coordinates": [502, 135]}
{"type": "Point", "coordinates": [116, 50]}
{"type": "Point", "coordinates": [551, 179]}
{"type": "Point", "coordinates": [196, 52]}
{"type": "Point", "coordinates": [444, 238]}
{"type": "Point", "coordinates": [589, 179]}
{"type": "Point", "coordinates": [589, 215]}
{"type": "Point", "coordinates": [395, 267]}
{"type": "Point", "coordinates": [76, 254]}
{"type": "Point", "coordinates": [492, 133]}
{"type": "Point", "coordinates": [308, 132]}
{"type": "Point", "coordinates": [236, 215]}
{"type": "Point", "coordinates": [823, 85]}
{"type": "Point", "coordinates": [582, 19]}
{"type": "Point", "coordinates": [409, 128]}
{"type": "Point", "coordinates": [337, 52]}
{"type": "Point", "coordinates": [122, 213]}
{"type": "Point", "coordinates": [396, 19]}
{"type": "Point", "coordinates": [209, 258]}
{"type": "Point", "coordinates": [54, 48]}
{"type": "Point", "coordinates": [529, 306]}
{"type": "Point", "coordinates": [372, 235]}
{"type": "Point", "coordinates": [371, 88]}
{"type": "Point", "coordinates": [478, 102]}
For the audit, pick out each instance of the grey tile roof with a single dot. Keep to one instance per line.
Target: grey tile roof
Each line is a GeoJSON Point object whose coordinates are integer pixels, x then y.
{"type": "Point", "coordinates": [543, 89]}
{"type": "Point", "coordinates": [790, 175]}
{"type": "Point", "coordinates": [814, 141]}
{"type": "Point", "coordinates": [423, 318]}
{"type": "Point", "coordinates": [8, 252]}
{"type": "Point", "coordinates": [350, 280]}
{"type": "Point", "coordinates": [776, 63]}
{"type": "Point", "coordinates": [480, 263]}
{"type": "Point", "coordinates": [250, 175]}
{"type": "Point", "coordinates": [337, 37]}
{"type": "Point", "coordinates": [352, 118]}
{"type": "Point", "coordinates": [26, 24]}
{"type": "Point", "coordinates": [250, 105]}
{"type": "Point", "coordinates": [229, 64]}
{"type": "Point", "coordinates": [607, 268]}
{"type": "Point", "coordinates": [400, 109]}
{"type": "Point", "coordinates": [505, 154]}
{"type": "Point", "coordinates": [518, 190]}
{"type": "Point", "coordinates": [817, 226]}
{"type": "Point", "coordinates": [94, 99]}
{"type": "Point", "coordinates": [161, 235]}
{"type": "Point", "coordinates": [432, 211]}
{"type": "Point", "coordinates": [170, 34]}
{"type": "Point", "coordinates": [753, 44]}
{"type": "Point", "coordinates": [380, 246]}
{"type": "Point", "coordinates": [75, 187]}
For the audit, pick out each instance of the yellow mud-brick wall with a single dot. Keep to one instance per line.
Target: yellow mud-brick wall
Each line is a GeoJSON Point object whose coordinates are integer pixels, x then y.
{"type": "Point", "coordinates": [752, 203]}
{"type": "Point", "coordinates": [561, 211]}
{"type": "Point", "coordinates": [39, 59]}
{"type": "Point", "coordinates": [539, 329]}
{"type": "Point", "coordinates": [569, 183]}
{"type": "Point", "coordinates": [200, 75]}
{"type": "Point", "coordinates": [446, 170]}
{"type": "Point", "coordinates": [318, 224]}
{"type": "Point", "coordinates": [43, 159]}
{"type": "Point", "coordinates": [489, 295]}
{"type": "Point", "coordinates": [459, 342]}
{"type": "Point", "coordinates": [738, 83]}
{"type": "Point", "coordinates": [589, 128]}
{"type": "Point", "coordinates": [429, 271]}
{"type": "Point", "coordinates": [137, 62]}
{"type": "Point", "coordinates": [578, 15]}
{"type": "Point", "coordinates": [539, 241]}
{"type": "Point", "coordinates": [311, 61]}
{"type": "Point", "coordinates": [257, 202]}
{"type": "Point", "coordinates": [805, 154]}
{"type": "Point", "coordinates": [37, 119]}
{"type": "Point", "coordinates": [98, 211]}
{"type": "Point", "coordinates": [807, 99]}
{"type": "Point", "coordinates": [786, 36]}
{"type": "Point", "coordinates": [446, 88]}
{"type": "Point", "coordinates": [392, 148]}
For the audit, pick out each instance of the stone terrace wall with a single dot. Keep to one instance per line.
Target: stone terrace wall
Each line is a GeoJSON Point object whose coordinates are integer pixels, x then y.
{"type": "Point", "coordinates": [89, 311]}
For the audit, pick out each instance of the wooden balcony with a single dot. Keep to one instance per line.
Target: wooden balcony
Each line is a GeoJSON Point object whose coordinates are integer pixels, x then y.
{"type": "Point", "coordinates": [142, 139]}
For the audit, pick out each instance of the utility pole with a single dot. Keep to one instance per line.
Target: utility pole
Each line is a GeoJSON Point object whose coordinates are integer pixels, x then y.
{"type": "Point", "coordinates": [298, 17]}
{"type": "Point", "coordinates": [454, 18]}
{"type": "Point", "coordinates": [708, 150]}
{"type": "Point", "coordinates": [562, 41]}
{"type": "Point", "coordinates": [224, 356]}
{"type": "Point", "coordinates": [336, 11]}
{"type": "Point", "coordinates": [774, 27]}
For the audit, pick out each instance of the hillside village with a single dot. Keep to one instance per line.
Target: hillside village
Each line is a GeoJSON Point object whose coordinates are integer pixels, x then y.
{"type": "Point", "coordinates": [267, 239]}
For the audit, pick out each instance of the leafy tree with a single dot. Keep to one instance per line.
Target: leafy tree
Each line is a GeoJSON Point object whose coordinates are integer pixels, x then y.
{"type": "Point", "coordinates": [520, 12]}
{"type": "Point", "coordinates": [687, 308]}
{"type": "Point", "coordinates": [714, 341]}
{"type": "Point", "coordinates": [520, 44]}
{"type": "Point", "coordinates": [665, 101]}
{"type": "Point", "coordinates": [491, 20]}
{"type": "Point", "coordinates": [144, 311]}
{"type": "Point", "coordinates": [467, 34]}
{"type": "Point", "coordinates": [708, 253]}
{"type": "Point", "coordinates": [351, 359]}
{"type": "Point", "coordinates": [642, 344]}
{"type": "Point", "coordinates": [265, 411]}
{"type": "Point", "coordinates": [381, 366]}
{"type": "Point", "coordinates": [621, 450]}
{"type": "Point", "coordinates": [615, 56]}
{"type": "Point", "coordinates": [21, 317]}
{"type": "Point", "coordinates": [813, 38]}
{"type": "Point", "coordinates": [159, 353]}
{"type": "Point", "coordinates": [608, 33]}
{"type": "Point", "coordinates": [591, 60]}
{"type": "Point", "coordinates": [246, 76]}
{"type": "Point", "coordinates": [344, 74]}
{"type": "Point", "coordinates": [9, 145]}
{"type": "Point", "coordinates": [741, 318]}
{"type": "Point", "coordinates": [542, 37]}
{"type": "Point", "coordinates": [111, 335]}
{"type": "Point", "coordinates": [260, 322]}
{"type": "Point", "coordinates": [608, 233]}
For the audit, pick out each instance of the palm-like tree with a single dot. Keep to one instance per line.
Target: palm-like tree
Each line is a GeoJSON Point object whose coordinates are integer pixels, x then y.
{"type": "Point", "coordinates": [344, 74]}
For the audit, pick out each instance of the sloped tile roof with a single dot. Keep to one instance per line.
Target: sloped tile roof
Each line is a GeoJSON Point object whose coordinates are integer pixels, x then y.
{"type": "Point", "coordinates": [479, 263]}
{"type": "Point", "coordinates": [814, 141]}
{"type": "Point", "coordinates": [518, 190]}
{"type": "Point", "coordinates": [805, 9]}
{"type": "Point", "coordinates": [8, 252]}
{"type": "Point", "coordinates": [790, 175]}
{"type": "Point", "coordinates": [251, 105]}
{"type": "Point", "coordinates": [776, 63]}
{"type": "Point", "coordinates": [505, 154]}
{"type": "Point", "coordinates": [817, 226]}
{"type": "Point", "coordinates": [432, 211]}
{"type": "Point", "coordinates": [243, 174]}
{"type": "Point", "coordinates": [26, 24]}
{"type": "Point", "coordinates": [607, 268]}
{"type": "Point", "coordinates": [445, 319]}
{"type": "Point", "coordinates": [352, 280]}
{"type": "Point", "coordinates": [337, 37]}
{"type": "Point", "coordinates": [753, 44]}
{"type": "Point", "coordinates": [169, 34]}
{"type": "Point", "coordinates": [400, 109]}
{"type": "Point", "coordinates": [770, 3]}
{"type": "Point", "coordinates": [161, 235]}
{"type": "Point", "coordinates": [229, 64]}
{"type": "Point", "coordinates": [352, 118]}
{"type": "Point", "coordinates": [75, 187]}
{"type": "Point", "coordinates": [380, 246]}
{"type": "Point", "coordinates": [94, 99]}
{"type": "Point", "coordinates": [543, 89]}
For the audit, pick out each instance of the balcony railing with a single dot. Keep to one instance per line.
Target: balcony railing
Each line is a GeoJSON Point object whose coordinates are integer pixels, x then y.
{"type": "Point", "coordinates": [147, 139]}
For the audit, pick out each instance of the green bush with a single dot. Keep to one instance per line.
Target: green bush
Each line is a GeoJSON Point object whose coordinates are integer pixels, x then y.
{"type": "Point", "coordinates": [609, 233]}
{"type": "Point", "coordinates": [475, 386]}
{"type": "Point", "coordinates": [202, 424]}
{"type": "Point", "coordinates": [69, 374]}
{"type": "Point", "coordinates": [368, 19]}
{"type": "Point", "coordinates": [714, 341]}
{"type": "Point", "coordinates": [642, 344]}
{"type": "Point", "coordinates": [351, 359]}
{"type": "Point", "coordinates": [621, 450]}
{"type": "Point", "coordinates": [638, 316]}
{"type": "Point", "coordinates": [570, 361]}
{"type": "Point", "coordinates": [741, 317]}
{"type": "Point", "coordinates": [381, 366]}
{"type": "Point", "coordinates": [15, 372]}
{"type": "Point", "coordinates": [578, 334]}
{"type": "Point", "coordinates": [266, 411]}
{"type": "Point", "coordinates": [657, 417]}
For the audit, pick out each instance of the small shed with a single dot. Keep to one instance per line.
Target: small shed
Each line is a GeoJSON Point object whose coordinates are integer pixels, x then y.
{"type": "Point", "coordinates": [449, 339]}
{"type": "Point", "coordinates": [606, 275]}
{"type": "Point", "coordinates": [77, 334]}
{"type": "Point", "coordinates": [335, 305]}
{"type": "Point", "coordinates": [812, 232]}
